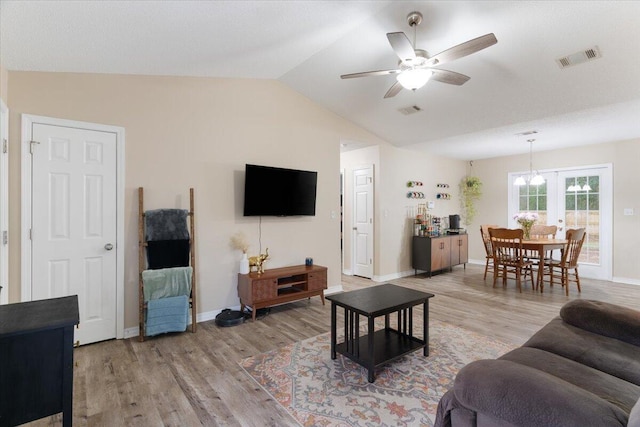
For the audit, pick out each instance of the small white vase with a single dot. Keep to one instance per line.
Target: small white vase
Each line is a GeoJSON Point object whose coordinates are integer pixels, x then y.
{"type": "Point", "coordinates": [244, 264]}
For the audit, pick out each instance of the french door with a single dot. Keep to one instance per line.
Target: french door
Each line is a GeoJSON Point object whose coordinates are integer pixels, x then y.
{"type": "Point", "coordinates": [574, 198]}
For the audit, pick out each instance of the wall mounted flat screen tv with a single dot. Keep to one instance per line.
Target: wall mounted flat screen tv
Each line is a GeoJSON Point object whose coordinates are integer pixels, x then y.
{"type": "Point", "coordinates": [270, 191]}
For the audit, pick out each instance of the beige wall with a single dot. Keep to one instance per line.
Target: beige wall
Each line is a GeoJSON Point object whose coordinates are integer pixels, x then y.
{"type": "Point", "coordinates": [393, 210]}
{"type": "Point", "coordinates": [199, 132]}
{"type": "Point", "coordinates": [624, 156]}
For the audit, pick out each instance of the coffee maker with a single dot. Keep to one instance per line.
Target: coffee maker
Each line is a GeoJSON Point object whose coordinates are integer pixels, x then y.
{"type": "Point", "coordinates": [454, 224]}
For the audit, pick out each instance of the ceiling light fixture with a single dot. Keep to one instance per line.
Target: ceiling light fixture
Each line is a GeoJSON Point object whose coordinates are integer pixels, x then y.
{"type": "Point", "coordinates": [414, 78]}
{"type": "Point", "coordinates": [531, 179]}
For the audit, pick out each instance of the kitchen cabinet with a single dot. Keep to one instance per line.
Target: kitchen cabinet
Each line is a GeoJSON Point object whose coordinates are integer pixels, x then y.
{"type": "Point", "coordinates": [438, 253]}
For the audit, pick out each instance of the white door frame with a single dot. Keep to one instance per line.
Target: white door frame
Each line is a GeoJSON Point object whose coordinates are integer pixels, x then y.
{"type": "Point", "coordinates": [4, 203]}
{"type": "Point", "coordinates": [28, 120]}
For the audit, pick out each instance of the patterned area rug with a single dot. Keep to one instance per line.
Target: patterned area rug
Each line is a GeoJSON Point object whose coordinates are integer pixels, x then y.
{"type": "Point", "coordinates": [319, 391]}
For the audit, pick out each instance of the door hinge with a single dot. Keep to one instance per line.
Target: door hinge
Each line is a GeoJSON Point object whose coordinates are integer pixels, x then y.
{"type": "Point", "coordinates": [370, 261]}
{"type": "Point", "coordinates": [5, 237]}
{"type": "Point", "coordinates": [5, 146]}
{"type": "Point", "coordinates": [30, 234]}
{"type": "Point", "coordinates": [31, 145]}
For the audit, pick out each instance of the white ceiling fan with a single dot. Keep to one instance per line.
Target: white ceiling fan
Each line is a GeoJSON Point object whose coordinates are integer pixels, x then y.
{"type": "Point", "coordinates": [415, 66]}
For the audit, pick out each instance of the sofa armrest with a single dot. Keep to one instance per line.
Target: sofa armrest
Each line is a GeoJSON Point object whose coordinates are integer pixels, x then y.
{"type": "Point", "coordinates": [524, 396]}
{"type": "Point", "coordinates": [603, 318]}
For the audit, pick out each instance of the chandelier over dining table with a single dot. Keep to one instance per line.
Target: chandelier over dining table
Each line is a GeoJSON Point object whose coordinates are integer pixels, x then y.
{"type": "Point", "coordinates": [531, 179]}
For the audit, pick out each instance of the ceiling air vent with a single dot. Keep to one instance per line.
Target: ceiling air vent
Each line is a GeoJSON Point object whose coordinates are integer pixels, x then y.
{"type": "Point", "coordinates": [579, 57]}
{"type": "Point", "coordinates": [527, 133]}
{"type": "Point", "coordinates": [410, 110]}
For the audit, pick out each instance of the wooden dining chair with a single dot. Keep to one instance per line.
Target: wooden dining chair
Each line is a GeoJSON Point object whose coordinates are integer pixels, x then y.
{"type": "Point", "coordinates": [562, 269]}
{"type": "Point", "coordinates": [486, 239]}
{"type": "Point", "coordinates": [508, 256]}
{"type": "Point", "coordinates": [539, 231]}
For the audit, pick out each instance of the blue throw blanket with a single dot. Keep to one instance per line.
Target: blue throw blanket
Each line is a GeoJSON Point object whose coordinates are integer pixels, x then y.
{"type": "Point", "coordinates": [167, 315]}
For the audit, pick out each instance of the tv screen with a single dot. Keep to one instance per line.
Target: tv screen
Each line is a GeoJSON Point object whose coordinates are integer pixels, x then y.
{"type": "Point", "coordinates": [270, 191]}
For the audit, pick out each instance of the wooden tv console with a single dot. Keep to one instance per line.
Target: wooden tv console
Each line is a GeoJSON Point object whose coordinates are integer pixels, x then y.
{"type": "Point", "coordinates": [281, 285]}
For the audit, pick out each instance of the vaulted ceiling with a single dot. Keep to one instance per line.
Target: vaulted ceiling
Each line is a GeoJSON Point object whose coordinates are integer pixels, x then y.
{"type": "Point", "coordinates": [516, 85]}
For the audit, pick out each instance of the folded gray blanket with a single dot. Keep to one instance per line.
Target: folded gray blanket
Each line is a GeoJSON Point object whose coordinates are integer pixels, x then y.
{"type": "Point", "coordinates": [166, 224]}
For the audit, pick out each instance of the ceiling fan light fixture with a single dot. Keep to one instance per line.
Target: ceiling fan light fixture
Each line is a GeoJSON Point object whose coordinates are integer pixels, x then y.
{"type": "Point", "coordinates": [414, 78]}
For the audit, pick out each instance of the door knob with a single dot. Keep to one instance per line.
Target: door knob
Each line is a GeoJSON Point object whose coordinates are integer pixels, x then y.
{"type": "Point", "coordinates": [355, 228]}
{"type": "Point", "coordinates": [108, 246]}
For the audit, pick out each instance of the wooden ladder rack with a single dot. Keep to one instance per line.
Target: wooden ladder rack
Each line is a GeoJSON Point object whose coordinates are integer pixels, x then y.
{"type": "Point", "coordinates": [142, 262]}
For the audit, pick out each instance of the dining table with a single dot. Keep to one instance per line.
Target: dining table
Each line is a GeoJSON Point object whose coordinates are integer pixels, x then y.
{"type": "Point", "coordinates": [542, 246]}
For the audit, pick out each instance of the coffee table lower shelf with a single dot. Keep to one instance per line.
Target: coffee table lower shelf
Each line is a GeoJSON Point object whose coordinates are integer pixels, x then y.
{"type": "Point", "coordinates": [388, 344]}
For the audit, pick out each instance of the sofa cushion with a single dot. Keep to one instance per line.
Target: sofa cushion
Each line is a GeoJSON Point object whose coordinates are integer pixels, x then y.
{"type": "Point", "coordinates": [603, 318]}
{"type": "Point", "coordinates": [612, 356]}
{"type": "Point", "coordinates": [612, 389]}
{"type": "Point", "coordinates": [528, 397]}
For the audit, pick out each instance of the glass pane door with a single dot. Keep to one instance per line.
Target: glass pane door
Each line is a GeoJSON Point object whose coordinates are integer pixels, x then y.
{"type": "Point", "coordinates": [582, 210]}
{"type": "Point", "coordinates": [585, 201]}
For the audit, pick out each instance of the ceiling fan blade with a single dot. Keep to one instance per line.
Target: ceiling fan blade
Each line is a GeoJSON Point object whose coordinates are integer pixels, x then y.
{"type": "Point", "coordinates": [369, 73]}
{"type": "Point", "coordinates": [463, 49]}
{"type": "Point", "coordinates": [402, 46]}
{"type": "Point", "coordinates": [393, 90]}
{"type": "Point", "coordinates": [450, 77]}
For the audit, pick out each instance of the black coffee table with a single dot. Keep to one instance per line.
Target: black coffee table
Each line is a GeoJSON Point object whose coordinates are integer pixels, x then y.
{"type": "Point", "coordinates": [378, 347]}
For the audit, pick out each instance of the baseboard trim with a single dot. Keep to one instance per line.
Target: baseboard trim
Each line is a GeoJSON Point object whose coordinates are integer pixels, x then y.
{"type": "Point", "coordinates": [626, 280]}
{"type": "Point", "coordinates": [211, 315]}
{"type": "Point", "coordinates": [200, 317]}
{"type": "Point", "coordinates": [398, 275]}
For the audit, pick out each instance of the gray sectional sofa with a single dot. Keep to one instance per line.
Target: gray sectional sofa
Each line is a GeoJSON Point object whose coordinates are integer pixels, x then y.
{"type": "Point", "coordinates": [581, 369]}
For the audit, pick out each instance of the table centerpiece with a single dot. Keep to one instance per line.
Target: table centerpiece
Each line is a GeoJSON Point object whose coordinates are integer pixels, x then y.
{"type": "Point", "coordinates": [526, 221]}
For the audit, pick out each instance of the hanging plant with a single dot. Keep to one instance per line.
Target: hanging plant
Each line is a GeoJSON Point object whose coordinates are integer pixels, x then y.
{"type": "Point", "coordinates": [470, 192]}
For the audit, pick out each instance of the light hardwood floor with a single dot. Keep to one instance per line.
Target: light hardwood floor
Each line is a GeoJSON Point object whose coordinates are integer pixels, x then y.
{"type": "Point", "coordinates": [194, 379]}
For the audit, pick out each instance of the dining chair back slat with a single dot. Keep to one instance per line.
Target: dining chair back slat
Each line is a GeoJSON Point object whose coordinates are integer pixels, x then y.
{"type": "Point", "coordinates": [539, 231]}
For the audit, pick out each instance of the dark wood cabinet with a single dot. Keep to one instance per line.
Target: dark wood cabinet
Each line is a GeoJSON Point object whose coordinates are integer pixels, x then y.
{"type": "Point", "coordinates": [36, 360]}
{"type": "Point", "coordinates": [459, 249]}
{"type": "Point", "coordinates": [281, 285]}
{"type": "Point", "coordinates": [439, 253]}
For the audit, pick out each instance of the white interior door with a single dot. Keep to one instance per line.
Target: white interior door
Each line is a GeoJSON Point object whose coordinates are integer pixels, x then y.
{"type": "Point", "coordinates": [363, 222]}
{"type": "Point", "coordinates": [74, 221]}
{"type": "Point", "coordinates": [4, 203]}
